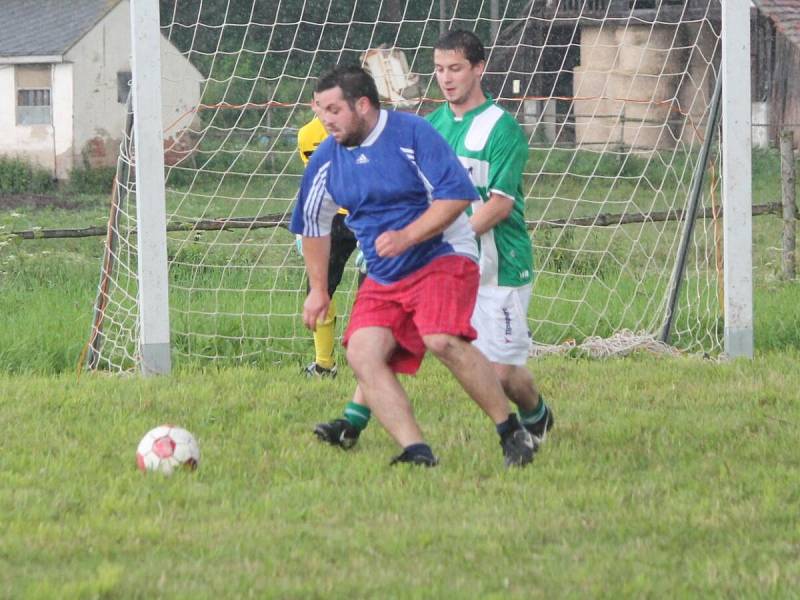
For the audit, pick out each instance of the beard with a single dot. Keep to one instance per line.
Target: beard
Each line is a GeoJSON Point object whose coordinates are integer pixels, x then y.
{"type": "Point", "coordinates": [358, 134]}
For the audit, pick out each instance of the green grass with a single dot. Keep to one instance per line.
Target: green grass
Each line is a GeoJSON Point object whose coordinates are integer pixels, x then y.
{"type": "Point", "coordinates": [48, 287]}
{"type": "Point", "coordinates": [46, 299]}
{"type": "Point", "coordinates": [662, 478]}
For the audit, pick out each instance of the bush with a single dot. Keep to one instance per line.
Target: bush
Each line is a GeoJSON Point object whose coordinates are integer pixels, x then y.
{"type": "Point", "coordinates": [91, 180]}
{"type": "Point", "coordinates": [18, 176]}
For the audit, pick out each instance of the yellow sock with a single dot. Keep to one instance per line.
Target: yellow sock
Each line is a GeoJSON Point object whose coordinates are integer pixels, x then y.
{"type": "Point", "coordinates": [323, 339]}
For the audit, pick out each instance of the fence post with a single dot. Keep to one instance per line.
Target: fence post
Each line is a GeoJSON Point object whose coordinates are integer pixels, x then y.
{"type": "Point", "coordinates": [789, 203]}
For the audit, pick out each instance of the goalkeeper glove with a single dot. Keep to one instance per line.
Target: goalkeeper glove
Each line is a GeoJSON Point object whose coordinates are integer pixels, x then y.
{"type": "Point", "coordinates": [298, 242]}
{"type": "Point", "coordinates": [361, 262]}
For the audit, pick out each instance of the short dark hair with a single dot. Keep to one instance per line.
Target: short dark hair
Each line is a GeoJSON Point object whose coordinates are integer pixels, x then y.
{"type": "Point", "coordinates": [464, 41]}
{"type": "Point", "coordinates": [354, 82]}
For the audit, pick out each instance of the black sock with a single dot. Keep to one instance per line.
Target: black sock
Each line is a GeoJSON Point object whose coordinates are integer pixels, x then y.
{"type": "Point", "coordinates": [508, 426]}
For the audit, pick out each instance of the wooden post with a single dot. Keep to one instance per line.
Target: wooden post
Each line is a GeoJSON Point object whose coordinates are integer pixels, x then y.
{"type": "Point", "coordinates": [789, 203]}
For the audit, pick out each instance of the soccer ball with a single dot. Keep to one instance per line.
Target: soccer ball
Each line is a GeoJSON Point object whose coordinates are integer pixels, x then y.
{"type": "Point", "coordinates": [167, 448]}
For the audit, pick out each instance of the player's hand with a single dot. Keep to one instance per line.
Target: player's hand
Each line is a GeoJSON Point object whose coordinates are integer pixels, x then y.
{"type": "Point", "coordinates": [315, 308]}
{"type": "Point", "coordinates": [392, 243]}
{"type": "Point", "coordinates": [298, 243]}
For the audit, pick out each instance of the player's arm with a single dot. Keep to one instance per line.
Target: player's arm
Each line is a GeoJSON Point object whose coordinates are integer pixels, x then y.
{"type": "Point", "coordinates": [438, 217]}
{"type": "Point", "coordinates": [508, 154]}
{"type": "Point", "coordinates": [495, 211]}
{"type": "Point", "coordinates": [312, 218]}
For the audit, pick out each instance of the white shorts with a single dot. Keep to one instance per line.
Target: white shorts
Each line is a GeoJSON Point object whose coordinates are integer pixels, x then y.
{"type": "Point", "coordinates": [501, 319]}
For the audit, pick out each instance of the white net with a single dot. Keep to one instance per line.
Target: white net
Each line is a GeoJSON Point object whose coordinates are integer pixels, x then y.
{"type": "Point", "coordinates": [615, 97]}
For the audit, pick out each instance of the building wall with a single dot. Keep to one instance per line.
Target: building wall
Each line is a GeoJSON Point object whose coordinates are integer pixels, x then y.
{"type": "Point", "coordinates": [640, 87]}
{"type": "Point", "coordinates": [99, 116]}
{"type": "Point", "coordinates": [63, 125]}
{"type": "Point", "coordinates": [47, 145]}
{"type": "Point", "coordinates": [784, 95]}
{"type": "Point", "coordinates": [696, 89]}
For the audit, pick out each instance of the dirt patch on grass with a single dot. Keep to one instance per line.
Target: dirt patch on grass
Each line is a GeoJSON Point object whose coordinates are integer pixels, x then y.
{"type": "Point", "coordinates": [36, 201]}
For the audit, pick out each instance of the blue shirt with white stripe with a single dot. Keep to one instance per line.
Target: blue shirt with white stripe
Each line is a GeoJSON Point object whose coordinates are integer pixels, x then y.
{"type": "Point", "coordinates": [386, 183]}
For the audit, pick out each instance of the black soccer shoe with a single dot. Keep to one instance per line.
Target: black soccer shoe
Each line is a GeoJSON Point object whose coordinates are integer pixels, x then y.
{"type": "Point", "coordinates": [542, 426]}
{"type": "Point", "coordinates": [338, 432]}
{"type": "Point", "coordinates": [314, 370]}
{"type": "Point", "coordinates": [415, 459]}
{"type": "Point", "coordinates": [519, 446]}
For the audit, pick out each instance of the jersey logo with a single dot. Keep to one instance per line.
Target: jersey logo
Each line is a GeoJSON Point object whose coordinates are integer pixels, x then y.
{"type": "Point", "coordinates": [478, 171]}
{"type": "Point", "coordinates": [507, 318]}
{"type": "Point", "coordinates": [362, 160]}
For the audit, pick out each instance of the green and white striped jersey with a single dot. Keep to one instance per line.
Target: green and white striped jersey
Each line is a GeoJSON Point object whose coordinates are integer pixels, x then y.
{"type": "Point", "coordinates": [492, 147]}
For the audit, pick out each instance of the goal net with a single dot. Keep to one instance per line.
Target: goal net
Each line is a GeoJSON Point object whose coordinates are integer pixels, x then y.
{"type": "Point", "coordinates": [616, 99]}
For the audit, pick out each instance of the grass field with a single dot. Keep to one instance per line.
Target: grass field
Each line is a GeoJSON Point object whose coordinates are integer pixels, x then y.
{"type": "Point", "coordinates": [47, 289]}
{"type": "Point", "coordinates": [664, 478]}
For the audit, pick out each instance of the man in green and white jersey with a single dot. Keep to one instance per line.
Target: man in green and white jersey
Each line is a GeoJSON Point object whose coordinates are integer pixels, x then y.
{"type": "Point", "coordinates": [493, 148]}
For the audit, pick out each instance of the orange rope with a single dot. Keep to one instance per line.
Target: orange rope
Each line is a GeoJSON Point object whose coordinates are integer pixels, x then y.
{"type": "Point", "coordinates": [277, 104]}
{"type": "Point", "coordinates": [104, 282]}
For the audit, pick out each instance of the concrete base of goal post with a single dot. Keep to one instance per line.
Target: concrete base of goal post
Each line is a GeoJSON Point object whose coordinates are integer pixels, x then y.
{"type": "Point", "coordinates": [156, 359]}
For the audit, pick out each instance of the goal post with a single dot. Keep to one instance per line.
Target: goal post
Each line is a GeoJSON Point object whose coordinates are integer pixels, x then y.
{"type": "Point", "coordinates": [615, 98]}
{"type": "Point", "coordinates": [151, 218]}
{"type": "Point", "coordinates": [736, 177]}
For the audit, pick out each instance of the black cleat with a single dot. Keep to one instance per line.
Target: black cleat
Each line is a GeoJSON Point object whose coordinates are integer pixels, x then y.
{"type": "Point", "coordinates": [415, 459]}
{"type": "Point", "coordinates": [542, 426]}
{"type": "Point", "coordinates": [338, 432]}
{"type": "Point", "coordinates": [314, 370]}
{"type": "Point", "coordinates": [519, 446]}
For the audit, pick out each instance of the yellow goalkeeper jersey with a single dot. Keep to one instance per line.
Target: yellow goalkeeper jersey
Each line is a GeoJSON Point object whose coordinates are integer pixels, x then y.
{"type": "Point", "coordinates": [309, 137]}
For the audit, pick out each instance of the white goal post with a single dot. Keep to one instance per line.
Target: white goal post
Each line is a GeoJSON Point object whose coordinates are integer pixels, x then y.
{"type": "Point", "coordinates": [638, 200]}
{"type": "Point", "coordinates": [736, 177]}
{"type": "Point", "coordinates": [151, 215]}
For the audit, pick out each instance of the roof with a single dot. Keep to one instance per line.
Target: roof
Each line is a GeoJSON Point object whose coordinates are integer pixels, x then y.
{"type": "Point", "coordinates": [785, 14]}
{"type": "Point", "coordinates": [47, 27]}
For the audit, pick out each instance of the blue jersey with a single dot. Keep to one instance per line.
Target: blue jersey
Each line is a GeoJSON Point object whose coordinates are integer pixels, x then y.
{"type": "Point", "coordinates": [386, 183]}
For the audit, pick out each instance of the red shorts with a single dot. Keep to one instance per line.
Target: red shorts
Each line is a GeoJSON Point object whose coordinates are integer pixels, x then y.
{"type": "Point", "coordinates": [439, 298]}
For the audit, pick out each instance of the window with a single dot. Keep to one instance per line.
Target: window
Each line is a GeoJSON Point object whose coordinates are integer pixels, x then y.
{"type": "Point", "coordinates": [33, 95]}
{"type": "Point", "coordinates": [123, 86]}
{"type": "Point", "coordinates": [33, 107]}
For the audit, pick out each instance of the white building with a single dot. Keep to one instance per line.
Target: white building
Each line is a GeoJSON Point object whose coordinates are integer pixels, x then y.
{"type": "Point", "coordinates": [64, 81]}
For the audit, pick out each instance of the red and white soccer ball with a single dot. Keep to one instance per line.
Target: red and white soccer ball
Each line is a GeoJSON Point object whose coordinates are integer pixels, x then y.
{"type": "Point", "coordinates": [167, 448]}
